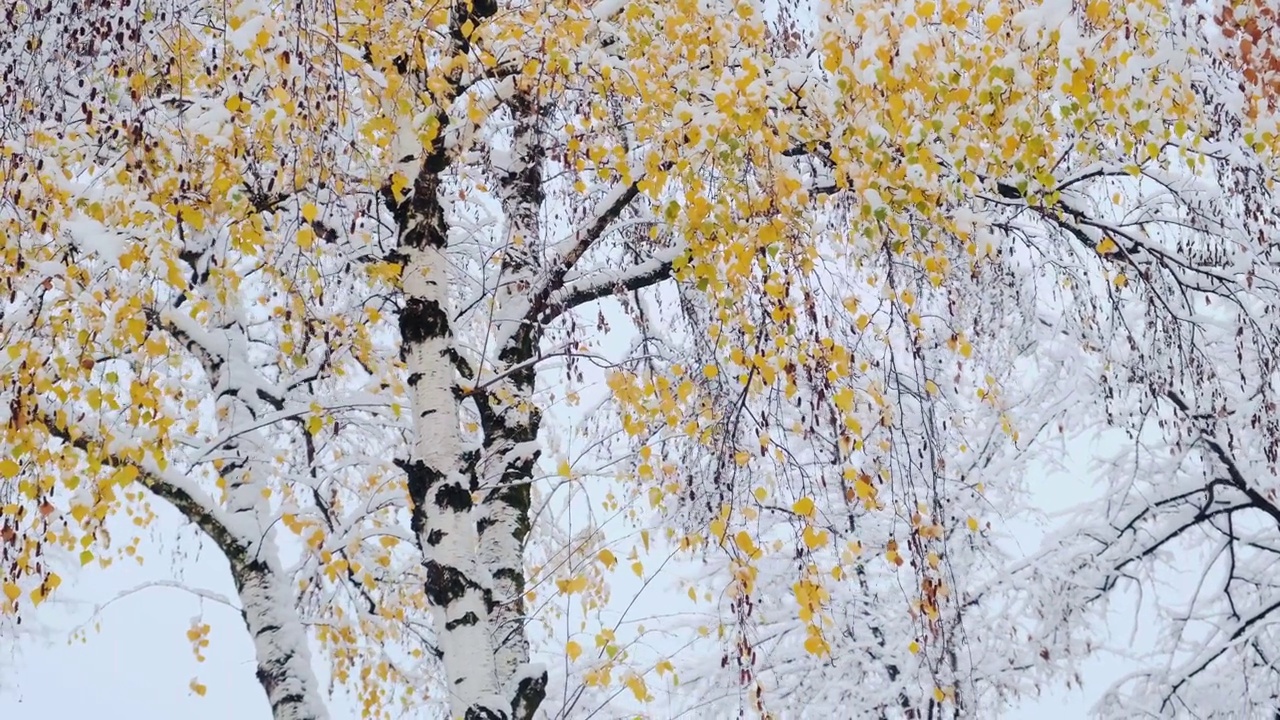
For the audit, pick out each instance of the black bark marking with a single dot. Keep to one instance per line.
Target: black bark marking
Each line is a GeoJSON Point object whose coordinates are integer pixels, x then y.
{"type": "Point", "coordinates": [437, 161]}
{"type": "Point", "coordinates": [420, 478]}
{"type": "Point", "coordinates": [511, 574]}
{"type": "Point", "coordinates": [414, 378]}
{"type": "Point", "coordinates": [453, 497]}
{"type": "Point", "coordinates": [445, 584]}
{"type": "Point", "coordinates": [517, 493]}
{"type": "Point", "coordinates": [421, 320]}
{"type": "Point", "coordinates": [467, 619]}
{"type": "Point", "coordinates": [435, 537]}
{"type": "Point", "coordinates": [472, 12]}
{"type": "Point", "coordinates": [530, 692]}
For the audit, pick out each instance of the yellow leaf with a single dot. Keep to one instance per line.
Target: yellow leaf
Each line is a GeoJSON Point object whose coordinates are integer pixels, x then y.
{"type": "Point", "coordinates": [198, 688]}
{"type": "Point", "coordinates": [573, 650]}
{"type": "Point", "coordinates": [575, 584]}
{"type": "Point", "coordinates": [563, 469]}
{"type": "Point", "coordinates": [306, 237]}
{"type": "Point", "coordinates": [815, 645]}
{"type": "Point", "coordinates": [11, 591]}
{"type": "Point", "coordinates": [710, 371]}
{"type": "Point", "coordinates": [1107, 246]}
{"type": "Point", "coordinates": [86, 557]}
{"type": "Point", "coordinates": [803, 507]}
{"type": "Point", "coordinates": [718, 529]}
{"type": "Point", "coordinates": [863, 489]}
{"type": "Point", "coordinates": [914, 647]}
{"type": "Point", "coordinates": [194, 218]}
{"type": "Point", "coordinates": [973, 524]}
{"type": "Point", "coordinates": [939, 695]}
{"type": "Point", "coordinates": [124, 475]}
{"type": "Point", "coordinates": [814, 538]}
{"type": "Point", "coordinates": [637, 567]}
{"type": "Point", "coordinates": [309, 212]}
{"type": "Point", "coordinates": [637, 686]}
{"type": "Point", "coordinates": [8, 469]}
{"type": "Point", "coordinates": [844, 399]}
{"type": "Point", "coordinates": [399, 183]}
{"type": "Point", "coordinates": [744, 542]}
{"type": "Point", "coordinates": [606, 557]}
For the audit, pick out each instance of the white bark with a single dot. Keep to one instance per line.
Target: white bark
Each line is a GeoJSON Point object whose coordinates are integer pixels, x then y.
{"type": "Point", "coordinates": [457, 585]}
{"type": "Point", "coordinates": [279, 641]}
{"type": "Point", "coordinates": [512, 429]}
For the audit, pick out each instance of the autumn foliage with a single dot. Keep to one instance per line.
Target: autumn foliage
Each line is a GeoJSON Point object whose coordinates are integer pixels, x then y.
{"type": "Point", "coordinates": [1252, 32]}
{"type": "Point", "coordinates": [548, 358]}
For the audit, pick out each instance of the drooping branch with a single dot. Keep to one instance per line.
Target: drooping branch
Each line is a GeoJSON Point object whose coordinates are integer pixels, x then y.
{"type": "Point", "coordinates": [1235, 477]}
{"type": "Point", "coordinates": [266, 595]}
{"type": "Point", "coordinates": [185, 497]}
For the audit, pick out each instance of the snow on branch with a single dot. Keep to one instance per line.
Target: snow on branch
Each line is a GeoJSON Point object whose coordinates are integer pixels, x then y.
{"type": "Point", "coordinates": [605, 283]}
{"type": "Point", "coordinates": [185, 496]}
{"type": "Point", "coordinates": [608, 211]}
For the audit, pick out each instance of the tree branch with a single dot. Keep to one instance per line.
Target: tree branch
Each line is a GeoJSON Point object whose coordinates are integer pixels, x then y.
{"type": "Point", "coordinates": [609, 210]}
{"type": "Point", "coordinates": [185, 497]}
{"type": "Point", "coordinates": [585, 290]}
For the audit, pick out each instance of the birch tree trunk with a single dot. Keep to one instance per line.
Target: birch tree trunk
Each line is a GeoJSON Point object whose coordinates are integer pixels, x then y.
{"type": "Point", "coordinates": [279, 640]}
{"type": "Point", "coordinates": [459, 587]}
{"type": "Point", "coordinates": [474, 554]}
{"type": "Point", "coordinates": [511, 427]}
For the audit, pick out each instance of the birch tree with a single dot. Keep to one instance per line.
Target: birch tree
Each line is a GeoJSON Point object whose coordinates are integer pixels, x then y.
{"type": "Point", "coordinates": [312, 274]}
